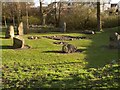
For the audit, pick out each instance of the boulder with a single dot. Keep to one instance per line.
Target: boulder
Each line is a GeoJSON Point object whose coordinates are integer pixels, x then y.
{"type": "Point", "coordinates": [18, 42]}
{"type": "Point", "coordinates": [68, 48]}
{"type": "Point", "coordinates": [114, 40]}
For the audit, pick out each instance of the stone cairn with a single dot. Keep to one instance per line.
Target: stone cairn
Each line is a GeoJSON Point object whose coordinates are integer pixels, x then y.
{"type": "Point", "coordinates": [10, 32]}
{"type": "Point", "coordinates": [114, 40]}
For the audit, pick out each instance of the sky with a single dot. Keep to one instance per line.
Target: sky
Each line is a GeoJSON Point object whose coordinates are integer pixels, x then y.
{"type": "Point", "coordinates": [49, 1]}
{"type": "Point", "coordinates": [115, 1]}
{"type": "Point", "coordinates": [45, 1]}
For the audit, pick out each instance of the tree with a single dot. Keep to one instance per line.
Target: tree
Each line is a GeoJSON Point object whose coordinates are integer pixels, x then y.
{"type": "Point", "coordinates": [4, 16]}
{"type": "Point", "coordinates": [58, 6]}
{"type": "Point", "coordinates": [27, 22]}
{"type": "Point", "coordinates": [76, 21]}
{"type": "Point", "coordinates": [41, 12]}
{"type": "Point", "coordinates": [9, 13]}
{"type": "Point", "coordinates": [59, 15]}
{"type": "Point", "coordinates": [55, 13]}
{"type": "Point", "coordinates": [99, 24]}
{"type": "Point", "coordinates": [14, 11]}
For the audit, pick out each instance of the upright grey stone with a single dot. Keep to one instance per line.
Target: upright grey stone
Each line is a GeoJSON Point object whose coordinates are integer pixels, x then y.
{"type": "Point", "coordinates": [18, 42]}
{"type": "Point", "coordinates": [20, 29]}
{"type": "Point", "coordinates": [10, 32]}
{"type": "Point", "coordinates": [63, 26]}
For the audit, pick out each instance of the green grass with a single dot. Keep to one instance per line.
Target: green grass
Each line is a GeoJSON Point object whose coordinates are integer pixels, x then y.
{"type": "Point", "coordinates": [42, 66]}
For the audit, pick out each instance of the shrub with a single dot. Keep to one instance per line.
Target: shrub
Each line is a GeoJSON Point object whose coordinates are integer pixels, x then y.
{"type": "Point", "coordinates": [32, 20]}
{"type": "Point", "coordinates": [83, 17]}
{"type": "Point", "coordinates": [80, 17]}
{"type": "Point", "coordinates": [110, 21]}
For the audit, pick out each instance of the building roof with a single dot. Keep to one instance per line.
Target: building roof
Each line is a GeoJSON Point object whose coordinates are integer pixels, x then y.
{"type": "Point", "coordinates": [114, 1]}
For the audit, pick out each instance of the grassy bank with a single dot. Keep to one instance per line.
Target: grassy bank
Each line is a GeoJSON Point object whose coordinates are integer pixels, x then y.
{"type": "Point", "coordinates": [43, 66]}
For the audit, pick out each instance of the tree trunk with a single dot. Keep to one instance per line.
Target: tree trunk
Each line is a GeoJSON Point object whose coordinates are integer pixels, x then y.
{"type": "Point", "coordinates": [98, 16]}
{"type": "Point", "coordinates": [13, 21]}
{"type": "Point", "coordinates": [41, 13]}
{"type": "Point", "coordinates": [27, 21]}
{"type": "Point", "coordinates": [56, 15]}
{"type": "Point", "coordinates": [59, 16]}
{"type": "Point", "coordinates": [5, 23]}
{"type": "Point", "coordinates": [44, 19]}
{"type": "Point", "coordinates": [18, 16]}
{"type": "Point", "coordinates": [13, 15]}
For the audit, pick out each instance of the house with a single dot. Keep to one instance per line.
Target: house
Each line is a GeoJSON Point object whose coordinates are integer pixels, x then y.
{"type": "Point", "coordinates": [67, 5]}
{"type": "Point", "coordinates": [118, 6]}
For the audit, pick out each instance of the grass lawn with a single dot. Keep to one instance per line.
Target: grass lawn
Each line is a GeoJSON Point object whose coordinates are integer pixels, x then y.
{"type": "Point", "coordinates": [44, 66]}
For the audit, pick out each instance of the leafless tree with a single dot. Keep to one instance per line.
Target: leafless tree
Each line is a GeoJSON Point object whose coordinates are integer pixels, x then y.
{"type": "Point", "coordinates": [41, 12]}
{"type": "Point", "coordinates": [99, 24]}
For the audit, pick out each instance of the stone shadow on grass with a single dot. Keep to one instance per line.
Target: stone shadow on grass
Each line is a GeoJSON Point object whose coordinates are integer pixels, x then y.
{"type": "Point", "coordinates": [56, 51]}
{"type": "Point", "coordinates": [3, 38]}
{"type": "Point", "coordinates": [6, 47]}
{"type": "Point", "coordinates": [11, 47]}
{"type": "Point", "coordinates": [52, 51]}
{"type": "Point", "coordinates": [99, 53]}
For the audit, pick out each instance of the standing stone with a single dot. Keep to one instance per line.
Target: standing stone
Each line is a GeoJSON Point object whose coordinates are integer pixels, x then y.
{"type": "Point", "coordinates": [20, 29]}
{"type": "Point", "coordinates": [10, 32]}
{"type": "Point", "coordinates": [18, 42]}
{"type": "Point", "coordinates": [63, 26]}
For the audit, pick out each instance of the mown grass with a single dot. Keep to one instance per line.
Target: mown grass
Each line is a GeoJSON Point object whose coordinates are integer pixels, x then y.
{"type": "Point", "coordinates": [43, 66]}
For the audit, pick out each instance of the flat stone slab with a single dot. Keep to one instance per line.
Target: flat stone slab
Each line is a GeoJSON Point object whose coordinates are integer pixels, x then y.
{"type": "Point", "coordinates": [88, 32]}
{"type": "Point", "coordinates": [63, 37]}
{"type": "Point", "coordinates": [18, 42]}
{"type": "Point", "coordinates": [60, 43]}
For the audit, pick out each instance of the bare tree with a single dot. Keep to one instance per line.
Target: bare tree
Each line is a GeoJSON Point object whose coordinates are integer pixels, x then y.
{"type": "Point", "coordinates": [18, 12]}
{"type": "Point", "coordinates": [27, 22]}
{"type": "Point", "coordinates": [98, 16]}
{"type": "Point", "coordinates": [59, 15]}
{"type": "Point", "coordinates": [4, 16]}
{"type": "Point", "coordinates": [41, 12]}
{"type": "Point", "coordinates": [55, 13]}
{"type": "Point", "coordinates": [58, 6]}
